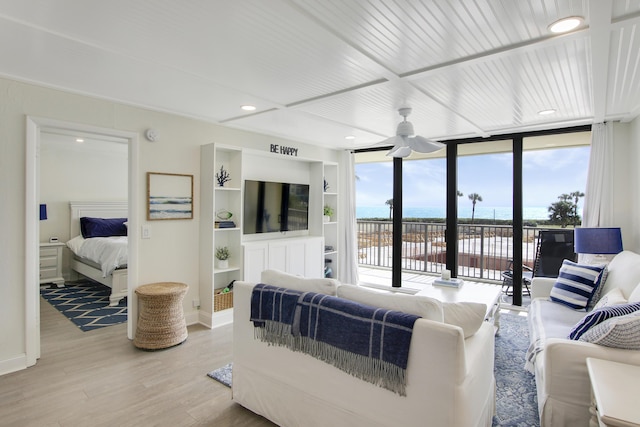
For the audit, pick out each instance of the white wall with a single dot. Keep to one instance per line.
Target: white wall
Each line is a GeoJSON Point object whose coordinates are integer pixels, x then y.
{"type": "Point", "coordinates": [172, 252]}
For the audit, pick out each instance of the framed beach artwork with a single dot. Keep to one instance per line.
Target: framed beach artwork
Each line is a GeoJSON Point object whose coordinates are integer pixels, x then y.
{"type": "Point", "coordinates": [169, 196]}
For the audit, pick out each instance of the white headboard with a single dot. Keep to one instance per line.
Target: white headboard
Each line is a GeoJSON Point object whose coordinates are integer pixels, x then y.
{"type": "Point", "coordinates": [111, 209]}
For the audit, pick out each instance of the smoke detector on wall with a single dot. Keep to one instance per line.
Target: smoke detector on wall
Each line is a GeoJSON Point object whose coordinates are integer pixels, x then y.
{"type": "Point", "coordinates": [151, 135]}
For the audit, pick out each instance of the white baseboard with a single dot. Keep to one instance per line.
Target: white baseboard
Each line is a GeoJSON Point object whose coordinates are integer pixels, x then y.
{"type": "Point", "coordinates": [12, 365]}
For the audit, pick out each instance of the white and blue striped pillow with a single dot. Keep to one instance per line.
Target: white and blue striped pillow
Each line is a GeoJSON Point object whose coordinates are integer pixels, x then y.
{"type": "Point", "coordinates": [576, 284]}
{"type": "Point", "coordinates": [618, 332]}
{"type": "Point", "coordinates": [599, 315]}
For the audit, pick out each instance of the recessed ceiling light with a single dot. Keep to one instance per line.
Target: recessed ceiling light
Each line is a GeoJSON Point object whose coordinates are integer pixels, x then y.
{"type": "Point", "coordinates": [79, 140]}
{"type": "Point", "coordinates": [566, 24]}
{"type": "Point", "coordinates": [546, 112]}
{"type": "Point", "coordinates": [248, 107]}
{"type": "Point", "coordinates": [349, 137]}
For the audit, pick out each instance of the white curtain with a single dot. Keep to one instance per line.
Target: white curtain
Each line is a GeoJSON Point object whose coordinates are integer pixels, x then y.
{"type": "Point", "coordinates": [598, 199]}
{"type": "Point", "coordinates": [348, 249]}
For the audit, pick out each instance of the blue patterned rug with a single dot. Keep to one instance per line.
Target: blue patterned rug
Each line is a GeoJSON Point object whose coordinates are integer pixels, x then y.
{"type": "Point", "coordinates": [222, 375]}
{"type": "Point", "coordinates": [86, 304]}
{"type": "Point", "coordinates": [516, 401]}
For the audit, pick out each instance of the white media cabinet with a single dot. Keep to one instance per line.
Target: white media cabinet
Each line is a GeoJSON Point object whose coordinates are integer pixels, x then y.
{"type": "Point", "coordinates": [299, 252]}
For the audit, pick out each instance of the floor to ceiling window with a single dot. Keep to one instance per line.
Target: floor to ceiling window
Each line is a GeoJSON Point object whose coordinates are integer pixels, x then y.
{"type": "Point", "coordinates": [485, 196]}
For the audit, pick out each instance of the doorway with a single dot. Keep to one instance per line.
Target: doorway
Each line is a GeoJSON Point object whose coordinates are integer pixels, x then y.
{"type": "Point", "coordinates": [35, 130]}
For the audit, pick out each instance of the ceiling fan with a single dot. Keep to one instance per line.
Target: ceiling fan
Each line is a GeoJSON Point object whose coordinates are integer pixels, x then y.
{"type": "Point", "coordinates": [404, 142]}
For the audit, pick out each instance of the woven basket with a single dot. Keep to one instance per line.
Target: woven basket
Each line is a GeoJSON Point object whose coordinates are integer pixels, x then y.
{"type": "Point", "coordinates": [222, 301]}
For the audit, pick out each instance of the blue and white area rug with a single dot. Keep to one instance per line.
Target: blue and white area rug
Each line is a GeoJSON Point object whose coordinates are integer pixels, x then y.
{"type": "Point", "coordinates": [222, 375]}
{"type": "Point", "coordinates": [86, 304]}
{"type": "Point", "coordinates": [516, 401]}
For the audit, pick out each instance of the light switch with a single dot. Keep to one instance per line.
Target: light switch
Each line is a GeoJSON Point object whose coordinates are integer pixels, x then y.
{"type": "Point", "coordinates": [146, 232]}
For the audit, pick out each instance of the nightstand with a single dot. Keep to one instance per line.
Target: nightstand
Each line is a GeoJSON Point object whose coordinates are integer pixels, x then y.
{"type": "Point", "coordinates": [614, 393]}
{"type": "Point", "coordinates": [51, 263]}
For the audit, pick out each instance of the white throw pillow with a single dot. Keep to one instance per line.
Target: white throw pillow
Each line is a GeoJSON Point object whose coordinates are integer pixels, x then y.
{"type": "Point", "coordinates": [468, 315]}
{"type": "Point", "coordinates": [425, 307]}
{"type": "Point", "coordinates": [299, 283]}
{"type": "Point", "coordinates": [613, 297]}
{"type": "Point", "coordinates": [635, 295]}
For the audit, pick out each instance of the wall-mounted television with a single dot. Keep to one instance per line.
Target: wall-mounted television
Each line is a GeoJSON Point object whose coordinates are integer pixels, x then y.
{"type": "Point", "coordinates": [275, 207]}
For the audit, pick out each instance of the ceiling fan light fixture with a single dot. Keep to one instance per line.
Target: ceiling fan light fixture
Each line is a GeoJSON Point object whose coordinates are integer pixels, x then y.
{"type": "Point", "coordinates": [405, 128]}
{"type": "Point", "coordinates": [404, 142]}
{"type": "Point", "coordinates": [565, 25]}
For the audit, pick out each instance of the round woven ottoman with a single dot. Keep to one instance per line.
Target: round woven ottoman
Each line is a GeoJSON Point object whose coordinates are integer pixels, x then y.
{"type": "Point", "coordinates": [161, 321]}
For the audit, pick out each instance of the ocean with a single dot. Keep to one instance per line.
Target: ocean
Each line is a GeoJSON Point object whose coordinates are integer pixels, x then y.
{"type": "Point", "coordinates": [529, 213]}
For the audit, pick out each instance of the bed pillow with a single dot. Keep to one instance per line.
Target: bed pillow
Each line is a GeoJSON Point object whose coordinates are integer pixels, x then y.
{"type": "Point", "coordinates": [102, 227]}
{"type": "Point", "coordinates": [618, 332]}
{"type": "Point", "coordinates": [299, 283]}
{"type": "Point", "coordinates": [576, 284]}
{"type": "Point", "coordinates": [425, 307]}
{"type": "Point", "coordinates": [75, 244]}
{"type": "Point", "coordinates": [600, 315]}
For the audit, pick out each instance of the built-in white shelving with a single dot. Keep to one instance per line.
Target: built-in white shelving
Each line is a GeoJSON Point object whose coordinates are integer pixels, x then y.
{"type": "Point", "coordinates": [297, 252]}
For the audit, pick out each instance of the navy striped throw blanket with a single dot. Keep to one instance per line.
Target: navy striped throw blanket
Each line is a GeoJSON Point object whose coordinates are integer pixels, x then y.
{"type": "Point", "coordinates": [367, 342]}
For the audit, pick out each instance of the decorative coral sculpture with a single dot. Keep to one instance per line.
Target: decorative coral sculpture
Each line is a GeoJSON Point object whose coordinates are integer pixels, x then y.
{"type": "Point", "coordinates": [222, 176]}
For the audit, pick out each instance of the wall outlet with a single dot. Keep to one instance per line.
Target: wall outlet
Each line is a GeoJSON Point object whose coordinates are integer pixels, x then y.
{"type": "Point", "coordinates": [196, 303]}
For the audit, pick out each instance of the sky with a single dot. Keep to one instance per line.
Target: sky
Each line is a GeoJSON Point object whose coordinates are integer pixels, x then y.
{"type": "Point", "coordinates": [546, 175]}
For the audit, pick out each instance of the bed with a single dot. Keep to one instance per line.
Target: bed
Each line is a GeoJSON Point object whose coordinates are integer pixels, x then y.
{"type": "Point", "coordinates": [103, 259]}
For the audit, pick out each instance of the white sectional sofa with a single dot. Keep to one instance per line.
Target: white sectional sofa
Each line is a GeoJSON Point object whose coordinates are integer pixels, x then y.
{"type": "Point", "coordinates": [559, 363]}
{"type": "Point", "coordinates": [450, 379]}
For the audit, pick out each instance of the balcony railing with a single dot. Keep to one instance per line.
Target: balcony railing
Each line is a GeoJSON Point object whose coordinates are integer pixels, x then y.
{"type": "Point", "coordinates": [484, 251]}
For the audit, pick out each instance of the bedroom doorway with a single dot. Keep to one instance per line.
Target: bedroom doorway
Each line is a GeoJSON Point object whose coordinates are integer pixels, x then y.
{"type": "Point", "coordinates": [37, 130]}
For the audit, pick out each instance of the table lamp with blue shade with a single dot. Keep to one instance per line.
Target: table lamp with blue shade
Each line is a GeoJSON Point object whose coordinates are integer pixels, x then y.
{"type": "Point", "coordinates": [43, 212]}
{"type": "Point", "coordinates": [598, 241]}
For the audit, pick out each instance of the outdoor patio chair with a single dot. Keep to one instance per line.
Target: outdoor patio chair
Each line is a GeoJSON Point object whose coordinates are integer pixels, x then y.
{"type": "Point", "coordinates": [554, 246]}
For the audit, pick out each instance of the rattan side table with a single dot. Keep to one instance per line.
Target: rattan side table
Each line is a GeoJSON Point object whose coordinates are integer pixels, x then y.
{"type": "Point", "coordinates": [161, 321]}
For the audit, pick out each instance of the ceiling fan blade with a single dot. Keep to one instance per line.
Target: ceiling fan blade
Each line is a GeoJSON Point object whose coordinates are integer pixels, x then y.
{"type": "Point", "coordinates": [393, 141]}
{"type": "Point", "coordinates": [399, 151]}
{"type": "Point", "coordinates": [424, 145]}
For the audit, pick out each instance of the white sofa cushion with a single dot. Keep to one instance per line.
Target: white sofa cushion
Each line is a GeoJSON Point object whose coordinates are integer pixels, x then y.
{"type": "Point", "coordinates": [576, 284]}
{"type": "Point", "coordinates": [635, 295]}
{"type": "Point", "coordinates": [467, 315]}
{"type": "Point", "coordinates": [613, 297]}
{"type": "Point", "coordinates": [422, 306]}
{"type": "Point", "coordinates": [299, 283]}
{"type": "Point", "coordinates": [624, 273]}
{"type": "Point", "coordinates": [617, 332]}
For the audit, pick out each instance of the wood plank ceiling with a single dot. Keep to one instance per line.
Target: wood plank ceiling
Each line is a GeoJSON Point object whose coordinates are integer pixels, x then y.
{"type": "Point", "coordinates": [319, 71]}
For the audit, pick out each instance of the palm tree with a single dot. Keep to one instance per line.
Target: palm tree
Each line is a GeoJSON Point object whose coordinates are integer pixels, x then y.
{"type": "Point", "coordinates": [459, 193]}
{"type": "Point", "coordinates": [390, 203]}
{"type": "Point", "coordinates": [576, 197]}
{"type": "Point", "coordinates": [475, 198]}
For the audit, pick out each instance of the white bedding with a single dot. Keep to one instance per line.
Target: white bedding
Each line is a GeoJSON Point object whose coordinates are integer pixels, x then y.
{"type": "Point", "coordinates": [109, 252]}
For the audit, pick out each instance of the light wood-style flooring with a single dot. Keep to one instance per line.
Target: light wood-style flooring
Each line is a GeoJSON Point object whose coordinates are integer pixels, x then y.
{"type": "Point", "coordinates": [99, 378]}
